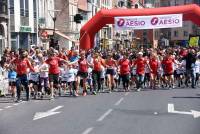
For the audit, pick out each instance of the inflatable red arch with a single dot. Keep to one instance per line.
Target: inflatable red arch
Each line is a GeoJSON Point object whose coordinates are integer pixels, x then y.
{"type": "Point", "coordinates": [106, 16]}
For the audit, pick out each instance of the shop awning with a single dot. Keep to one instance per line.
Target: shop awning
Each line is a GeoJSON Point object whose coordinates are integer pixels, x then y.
{"type": "Point", "coordinates": [66, 37]}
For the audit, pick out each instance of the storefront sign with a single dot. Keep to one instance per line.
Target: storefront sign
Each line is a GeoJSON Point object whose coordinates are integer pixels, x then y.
{"type": "Point", "coordinates": [25, 29]}
{"type": "Point", "coordinates": [148, 22]}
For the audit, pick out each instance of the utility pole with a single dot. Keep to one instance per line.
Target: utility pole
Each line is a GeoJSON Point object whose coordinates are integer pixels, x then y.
{"type": "Point", "coordinates": [8, 27]}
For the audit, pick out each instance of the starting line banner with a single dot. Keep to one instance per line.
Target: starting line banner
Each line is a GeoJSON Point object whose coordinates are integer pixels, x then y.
{"type": "Point", "coordinates": [148, 22]}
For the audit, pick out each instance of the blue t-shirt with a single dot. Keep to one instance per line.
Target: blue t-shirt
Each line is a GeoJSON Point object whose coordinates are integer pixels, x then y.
{"type": "Point", "coordinates": [12, 75]}
{"type": "Point", "coordinates": [74, 58]}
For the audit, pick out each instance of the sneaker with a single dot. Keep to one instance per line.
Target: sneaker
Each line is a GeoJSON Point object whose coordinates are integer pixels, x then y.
{"type": "Point", "coordinates": [139, 89]}
{"type": "Point", "coordinates": [18, 101]}
{"type": "Point", "coordinates": [94, 93]}
{"type": "Point", "coordinates": [76, 95]}
{"type": "Point", "coordinates": [84, 93]}
{"type": "Point", "coordinates": [52, 98]}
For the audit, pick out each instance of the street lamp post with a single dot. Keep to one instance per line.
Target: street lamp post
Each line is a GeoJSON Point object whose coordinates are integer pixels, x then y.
{"type": "Point", "coordinates": [54, 14]}
{"type": "Point", "coordinates": [54, 26]}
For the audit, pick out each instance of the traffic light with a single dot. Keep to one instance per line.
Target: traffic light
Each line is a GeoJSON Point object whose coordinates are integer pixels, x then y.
{"type": "Point", "coordinates": [78, 18]}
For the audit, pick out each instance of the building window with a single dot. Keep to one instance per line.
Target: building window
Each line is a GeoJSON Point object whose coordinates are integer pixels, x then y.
{"type": "Point", "coordinates": [12, 11]}
{"type": "Point", "coordinates": [176, 3]}
{"type": "Point", "coordinates": [34, 9]}
{"type": "Point", "coordinates": [24, 8]}
{"type": "Point", "coordinates": [187, 1]}
{"type": "Point", "coordinates": [185, 33]}
{"type": "Point", "coordinates": [169, 3]}
{"type": "Point", "coordinates": [175, 33]}
{"type": "Point", "coordinates": [3, 7]}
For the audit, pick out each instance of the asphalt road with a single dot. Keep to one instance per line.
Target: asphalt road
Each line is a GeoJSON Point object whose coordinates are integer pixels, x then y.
{"type": "Point", "coordinates": [144, 112]}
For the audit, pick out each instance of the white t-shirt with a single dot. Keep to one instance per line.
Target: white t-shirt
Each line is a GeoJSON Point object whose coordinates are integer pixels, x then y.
{"type": "Point", "coordinates": [89, 73]}
{"type": "Point", "coordinates": [197, 66]}
{"type": "Point", "coordinates": [183, 66]}
{"type": "Point", "coordinates": [90, 59]}
{"type": "Point", "coordinates": [34, 76]}
{"type": "Point", "coordinates": [103, 72]}
{"type": "Point", "coordinates": [44, 70]}
{"type": "Point", "coordinates": [68, 75]}
{"type": "Point", "coordinates": [37, 61]}
{"type": "Point", "coordinates": [63, 74]}
{"type": "Point", "coordinates": [133, 71]}
{"type": "Point", "coordinates": [71, 74]}
{"type": "Point", "coordinates": [175, 66]}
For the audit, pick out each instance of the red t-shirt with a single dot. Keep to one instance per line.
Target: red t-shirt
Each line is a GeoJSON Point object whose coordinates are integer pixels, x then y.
{"type": "Point", "coordinates": [110, 63]}
{"type": "Point", "coordinates": [83, 65]}
{"type": "Point", "coordinates": [53, 63]}
{"type": "Point", "coordinates": [168, 65]}
{"type": "Point", "coordinates": [22, 65]}
{"type": "Point", "coordinates": [153, 63]}
{"type": "Point", "coordinates": [124, 66]}
{"type": "Point", "coordinates": [183, 53]}
{"type": "Point", "coordinates": [97, 64]}
{"type": "Point", "coordinates": [140, 63]}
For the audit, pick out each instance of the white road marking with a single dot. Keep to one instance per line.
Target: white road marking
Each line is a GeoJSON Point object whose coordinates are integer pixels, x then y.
{"type": "Point", "coordinates": [8, 107]}
{"type": "Point", "coordinates": [16, 104]}
{"type": "Point", "coordinates": [156, 113]}
{"type": "Point", "coordinates": [40, 115]}
{"type": "Point", "coordinates": [171, 109]}
{"type": "Point", "coordinates": [104, 115]}
{"type": "Point", "coordinates": [127, 93]}
{"type": "Point", "coordinates": [88, 130]}
{"type": "Point", "coordinates": [1, 109]}
{"type": "Point", "coordinates": [119, 101]}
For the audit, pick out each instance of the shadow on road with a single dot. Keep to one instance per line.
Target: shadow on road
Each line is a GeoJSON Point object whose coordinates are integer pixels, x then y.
{"type": "Point", "coordinates": [186, 97]}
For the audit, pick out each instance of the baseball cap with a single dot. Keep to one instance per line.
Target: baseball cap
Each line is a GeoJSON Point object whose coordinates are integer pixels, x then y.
{"type": "Point", "coordinates": [140, 53]}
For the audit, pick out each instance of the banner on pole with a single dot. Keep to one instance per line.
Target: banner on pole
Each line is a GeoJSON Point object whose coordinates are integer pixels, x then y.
{"type": "Point", "coordinates": [194, 41]}
{"type": "Point", "coordinates": [148, 22]}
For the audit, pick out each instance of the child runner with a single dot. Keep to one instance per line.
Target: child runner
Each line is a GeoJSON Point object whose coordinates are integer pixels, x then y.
{"type": "Point", "coordinates": [71, 79]}
{"type": "Point", "coordinates": [34, 80]}
{"type": "Point", "coordinates": [12, 75]}
{"type": "Point", "coordinates": [43, 80]}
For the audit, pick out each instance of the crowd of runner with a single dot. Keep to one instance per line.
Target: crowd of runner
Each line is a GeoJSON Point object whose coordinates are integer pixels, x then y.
{"type": "Point", "coordinates": [50, 72]}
